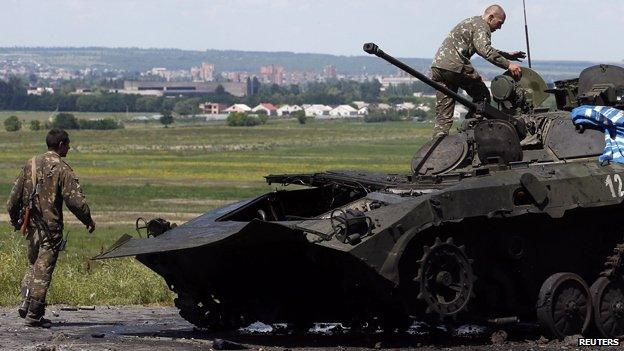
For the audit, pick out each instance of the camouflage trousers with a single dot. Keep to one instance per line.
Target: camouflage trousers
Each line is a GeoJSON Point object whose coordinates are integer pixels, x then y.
{"type": "Point", "coordinates": [468, 80]}
{"type": "Point", "coordinates": [42, 255]}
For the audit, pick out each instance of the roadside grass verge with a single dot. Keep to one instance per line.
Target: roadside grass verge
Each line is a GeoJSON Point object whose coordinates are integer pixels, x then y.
{"type": "Point", "coordinates": [79, 281]}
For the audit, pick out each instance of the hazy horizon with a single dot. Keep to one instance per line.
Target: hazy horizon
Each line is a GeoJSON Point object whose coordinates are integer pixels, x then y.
{"type": "Point", "coordinates": [272, 52]}
{"type": "Point", "coordinates": [570, 30]}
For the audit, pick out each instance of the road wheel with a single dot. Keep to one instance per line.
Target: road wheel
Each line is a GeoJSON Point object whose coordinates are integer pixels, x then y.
{"type": "Point", "coordinates": [608, 303]}
{"type": "Point", "coordinates": [564, 305]}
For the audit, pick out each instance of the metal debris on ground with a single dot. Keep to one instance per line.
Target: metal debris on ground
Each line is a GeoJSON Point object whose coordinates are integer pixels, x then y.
{"type": "Point", "coordinates": [499, 337]}
{"type": "Point", "coordinates": [220, 344]}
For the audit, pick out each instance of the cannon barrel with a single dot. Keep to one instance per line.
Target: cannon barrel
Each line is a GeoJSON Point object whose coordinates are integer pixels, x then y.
{"type": "Point", "coordinates": [373, 49]}
{"type": "Point", "coordinates": [482, 108]}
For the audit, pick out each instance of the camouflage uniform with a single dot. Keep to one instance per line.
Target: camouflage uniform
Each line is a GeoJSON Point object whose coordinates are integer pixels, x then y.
{"type": "Point", "coordinates": [451, 67]}
{"type": "Point", "coordinates": [56, 184]}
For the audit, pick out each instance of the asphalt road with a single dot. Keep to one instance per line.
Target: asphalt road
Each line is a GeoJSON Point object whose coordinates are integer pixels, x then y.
{"type": "Point", "coordinates": [161, 328]}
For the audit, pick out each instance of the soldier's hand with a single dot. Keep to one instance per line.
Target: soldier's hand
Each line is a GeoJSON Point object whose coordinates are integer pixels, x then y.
{"type": "Point", "coordinates": [515, 70]}
{"type": "Point", "coordinates": [516, 55]}
{"type": "Point", "coordinates": [91, 226]}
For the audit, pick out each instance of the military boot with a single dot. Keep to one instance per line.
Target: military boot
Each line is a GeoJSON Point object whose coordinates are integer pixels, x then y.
{"type": "Point", "coordinates": [23, 309]}
{"type": "Point", "coordinates": [34, 317]}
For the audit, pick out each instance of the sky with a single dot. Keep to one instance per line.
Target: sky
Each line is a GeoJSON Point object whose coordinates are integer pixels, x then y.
{"type": "Point", "coordinates": [559, 29]}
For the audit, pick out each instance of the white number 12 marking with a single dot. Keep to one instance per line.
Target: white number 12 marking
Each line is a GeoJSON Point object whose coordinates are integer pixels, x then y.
{"type": "Point", "coordinates": [610, 183]}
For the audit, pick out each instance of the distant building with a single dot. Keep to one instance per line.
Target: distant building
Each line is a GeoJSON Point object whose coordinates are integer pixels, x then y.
{"type": "Point", "coordinates": [405, 106]}
{"type": "Point", "coordinates": [383, 107]}
{"type": "Point", "coordinates": [300, 77]}
{"type": "Point", "coordinates": [273, 74]}
{"type": "Point", "coordinates": [317, 110]}
{"type": "Point", "coordinates": [207, 71]}
{"type": "Point", "coordinates": [85, 91]}
{"type": "Point", "coordinates": [343, 111]}
{"type": "Point", "coordinates": [363, 111]}
{"type": "Point", "coordinates": [270, 109]}
{"type": "Point", "coordinates": [423, 107]}
{"type": "Point", "coordinates": [236, 76]}
{"type": "Point", "coordinates": [388, 81]}
{"type": "Point", "coordinates": [360, 104]}
{"type": "Point", "coordinates": [169, 75]}
{"type": "Point", "coordinates": [181, 88]}
{"type": "Point", "coordinates": [329, 71]}
{"type": "Point", "coordinates": [203, 73]}
{"type": "Point", "coordinates": [288, 109]}
{"type": "Point", "coordinates": [238, 108]}
{"type": "Point", "coordinates": [39, 91]}
{"type": "Point", "coordinates": [212, 108]}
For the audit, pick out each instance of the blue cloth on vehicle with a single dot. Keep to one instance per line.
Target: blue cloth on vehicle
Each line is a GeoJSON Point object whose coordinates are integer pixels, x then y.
{"type": "Point", "coordinates": [611, 121]}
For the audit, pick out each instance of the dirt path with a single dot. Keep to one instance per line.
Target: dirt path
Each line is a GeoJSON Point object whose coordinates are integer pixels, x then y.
{"type": "Point", "coordinates": [160, 328]}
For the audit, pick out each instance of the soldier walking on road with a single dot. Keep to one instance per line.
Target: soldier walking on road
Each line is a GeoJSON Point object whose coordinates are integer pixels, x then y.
{"type": "Point", "coordinates": [36, 207]}
{"type": "Point", "coordinates": [451, 65]}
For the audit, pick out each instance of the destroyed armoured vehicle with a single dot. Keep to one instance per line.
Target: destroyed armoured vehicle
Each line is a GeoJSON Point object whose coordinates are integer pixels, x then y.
{"type": "Point", "coordinates": [511, 220]}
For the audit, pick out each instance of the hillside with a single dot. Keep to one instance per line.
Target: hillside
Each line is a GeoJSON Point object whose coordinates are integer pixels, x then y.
{"type": "Point", "coordinates": [138, 59]}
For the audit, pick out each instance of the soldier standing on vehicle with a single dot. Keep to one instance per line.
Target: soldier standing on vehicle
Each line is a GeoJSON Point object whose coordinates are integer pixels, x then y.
{"type": "Point", "coordinates": [451, 65]}
{"type": "Point", "coordinates": [35, 207]}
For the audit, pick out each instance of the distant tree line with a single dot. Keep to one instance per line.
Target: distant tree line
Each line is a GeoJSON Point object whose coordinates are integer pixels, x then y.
{"type": "Point", "coordinates": [64, 120]}
{"type": "Point", "coordinates": [13, 96]}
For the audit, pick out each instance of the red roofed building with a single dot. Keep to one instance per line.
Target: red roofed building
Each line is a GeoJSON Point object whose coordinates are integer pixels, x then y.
{"type": "Point", "coordinates": [270, 109]}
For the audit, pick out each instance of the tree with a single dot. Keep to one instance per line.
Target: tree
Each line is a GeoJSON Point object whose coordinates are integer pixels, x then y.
{"type": "Point", "coordinates": [220, 90]}
{"type": "Point", "coordinates": [300, 116]}
{"type": "Point", "coordinates": [167, 118]}
{"type": "Point", "coordinates": [263, 118]}
{"type": "Point", "coordinates": [65, 120]}
{"type": "Point", "coordinates": [100, 124]}
{"type": "Point", "coordinates": [187, 107]}
{"type": "Point", "coordinates": [240, 119]}
{"type": "Point", "coordinates": [35, 125]}
{"type": "Point", "coordinates": [12, 124]}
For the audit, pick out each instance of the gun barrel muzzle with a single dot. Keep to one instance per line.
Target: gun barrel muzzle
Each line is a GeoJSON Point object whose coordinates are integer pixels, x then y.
{"type": "Point", "coordinates": [371, 48]}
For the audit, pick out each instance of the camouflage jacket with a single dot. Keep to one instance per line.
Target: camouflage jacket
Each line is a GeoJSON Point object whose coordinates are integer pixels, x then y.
{"type": "Point", "coordinates": [470, 36]}
{"type": "Point", "coordinates": [57, 184]}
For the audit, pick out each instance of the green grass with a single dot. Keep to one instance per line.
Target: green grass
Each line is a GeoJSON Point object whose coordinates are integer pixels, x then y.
{"type": "Point", "coordinates": [179, 172]}
{"type": "Point", "coordinates": [78, 280]}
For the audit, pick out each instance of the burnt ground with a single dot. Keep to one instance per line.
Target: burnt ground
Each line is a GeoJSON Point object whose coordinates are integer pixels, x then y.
{"type": "Point", "coordinates": [161, 328]}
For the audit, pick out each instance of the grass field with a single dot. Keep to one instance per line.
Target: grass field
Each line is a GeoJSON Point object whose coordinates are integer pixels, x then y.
{"type": "Point", "coordinates": [177, 173]}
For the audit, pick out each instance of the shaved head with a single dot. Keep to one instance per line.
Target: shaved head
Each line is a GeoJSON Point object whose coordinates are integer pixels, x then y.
{"type": "Point", "coordinates": [495, 16]}
{"type": "Point", "coordinates": [494, 10]}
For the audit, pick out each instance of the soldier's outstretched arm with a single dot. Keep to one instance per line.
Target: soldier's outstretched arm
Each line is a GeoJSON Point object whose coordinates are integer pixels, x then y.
{"type": "Point", "coordinates": [483, 45]}
{"type": "Point", "coordinates": [14, 203]}
{"type": "Point", "coordinates": [74, 197]}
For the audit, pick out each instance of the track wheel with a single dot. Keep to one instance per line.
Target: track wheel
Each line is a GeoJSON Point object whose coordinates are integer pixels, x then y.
{"type": "Point", "coordinates": [445, 278]}
{"type": "Point", "coordinates": [564, 305]}
{"type": "Point", "coordinates": [608, 302]}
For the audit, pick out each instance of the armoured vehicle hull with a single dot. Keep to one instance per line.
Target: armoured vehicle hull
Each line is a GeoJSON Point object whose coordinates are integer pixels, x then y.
{"type": "Point", "coordinates": [485, 228]}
